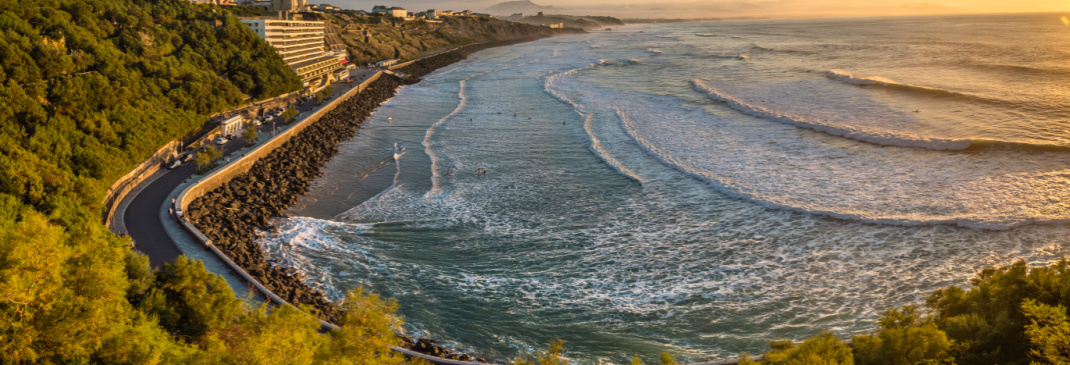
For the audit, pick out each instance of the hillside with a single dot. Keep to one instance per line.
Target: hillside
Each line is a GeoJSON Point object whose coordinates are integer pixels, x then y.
{"type": "Point", "coordinates": [91, 88]}
{"type": "Point", "coordinates": [371, 38]}
{"type": "Point", "coordinates": [569, 21]}
{"type": "Point", "coordinates": [519, 6]}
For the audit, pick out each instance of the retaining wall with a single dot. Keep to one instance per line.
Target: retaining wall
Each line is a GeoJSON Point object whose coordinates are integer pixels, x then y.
{"type": "Point", "coordinates": [118, 191]}
{"type": "Point", "coordinates": [225, 173]}
{"type": "Point", "coordinates": [222, 175]}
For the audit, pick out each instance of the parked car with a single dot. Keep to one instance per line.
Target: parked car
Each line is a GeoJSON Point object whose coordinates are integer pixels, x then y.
{"type": "Point", "coordinates": [174, 164]}
{"type": "Point", "coordinates": [221, 140]}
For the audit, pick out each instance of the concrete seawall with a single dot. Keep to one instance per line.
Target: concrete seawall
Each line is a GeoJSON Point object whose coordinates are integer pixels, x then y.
{"type": "Point", "coordinates": [222, 175]}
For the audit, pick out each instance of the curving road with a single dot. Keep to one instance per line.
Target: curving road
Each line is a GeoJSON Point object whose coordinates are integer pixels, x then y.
{"type": "Point", "coordinates": [146, 213]}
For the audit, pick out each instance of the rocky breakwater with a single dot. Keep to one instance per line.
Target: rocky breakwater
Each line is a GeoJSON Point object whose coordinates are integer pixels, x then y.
{"type": "Point", "coordinates": [231, 214]}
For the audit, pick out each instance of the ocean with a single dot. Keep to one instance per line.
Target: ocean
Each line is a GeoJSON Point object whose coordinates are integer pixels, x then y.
{"type": "Point", "coordinates": [698, 188]}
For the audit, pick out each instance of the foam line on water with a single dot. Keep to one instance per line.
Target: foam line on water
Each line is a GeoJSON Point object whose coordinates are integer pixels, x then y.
{"type": "Point", "coordinates": [399, 150]}
{"type": "Point", "coordinates": [868, 134]}
{"type": "Point", "coordinates": [880, 137]}
{"type": "Point", "coordinates": [848, 78]}
{"type": "Point", "coordinates": [596, 144]}
{"type": "Point", "coordinates": [1021, 194]}
{"type": "Point", "coordinates": [436, 174]}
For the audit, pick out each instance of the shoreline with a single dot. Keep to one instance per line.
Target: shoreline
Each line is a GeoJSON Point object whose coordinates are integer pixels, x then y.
{"type": "Point", "coordinates": [276, 182]}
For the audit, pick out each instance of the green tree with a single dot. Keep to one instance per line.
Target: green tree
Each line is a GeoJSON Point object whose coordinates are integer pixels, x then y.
{"type": "Point", "coordinates": [288, 115]}
{"type": "Point", "coordinates": [31, 281]}
{"type": "Point", "coordinates": [987, 322]}
{"type": "Point", "coordinates": [552, 356]}
{"type": "Point", "coordinates": [824, 348]}
{"type": "Point", "coordinates": [190, 301]}
{"type": "Point", "coordinates": [667, 359]}
{"type": "Point", "coordinates": [746, 359]}
{"type": "Point", "coordinates": [207, 156]}
{"type": "Point", "coordinates": [1048, 332]}
{"type": "Point", "coordinates": [905, 337]}
{"type": "Point", "coordinates": [279, 335]}
{"type": "Point", "coordinates": [249, 134]}
{"type": "Point", "coordinates": [368, 329]}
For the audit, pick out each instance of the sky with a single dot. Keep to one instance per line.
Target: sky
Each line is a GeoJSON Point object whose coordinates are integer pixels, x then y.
{"type": "Point", "coordinates": [737, 8]}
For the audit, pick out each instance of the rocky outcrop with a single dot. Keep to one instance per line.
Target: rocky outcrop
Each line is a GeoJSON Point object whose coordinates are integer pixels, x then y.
{"type": "Point", "coordinates": [428, 347]}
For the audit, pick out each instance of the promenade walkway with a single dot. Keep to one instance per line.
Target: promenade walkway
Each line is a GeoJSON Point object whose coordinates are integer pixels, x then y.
{"type": "Point", "coordinates": [143, 214]}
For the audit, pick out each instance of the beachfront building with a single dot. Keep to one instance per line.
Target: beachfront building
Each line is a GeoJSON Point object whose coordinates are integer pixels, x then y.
{"type": "Point", "coordinates": [289, 5]}
{"type": "Point", "coordinates": [274, 5]}
{"type": "Point", "coordinates": [386, 63]}
{"type": "Point", "coordinates": [433, 14]}
{"type": "Point", "coordinates": [301, 45]}
{"type": "Point", "coordinates": [393, 11]}
{"type": "Point", "coordinates": [231, 126]}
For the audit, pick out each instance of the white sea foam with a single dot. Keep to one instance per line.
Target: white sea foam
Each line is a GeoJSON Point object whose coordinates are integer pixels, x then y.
{"type": "Point", "coordinates": [863, 128]}
{"type": "Point", "coordinates": [821, 177]}
{"type": "Point", "coordinates": [399, 150]}
{"type": "Point", "coordinates": [596, 143]}
{"type": "Point", "coordinates": [551, 238]}
{"type": "Point", "coordinates": [843, 76]}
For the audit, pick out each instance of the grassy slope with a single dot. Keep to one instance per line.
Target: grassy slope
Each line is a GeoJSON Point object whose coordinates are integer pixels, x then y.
{"type": "Point", "coordinates": [371, 39]}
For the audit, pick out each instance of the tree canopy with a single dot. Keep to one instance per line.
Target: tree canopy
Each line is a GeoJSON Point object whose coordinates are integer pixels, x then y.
{"type": "Point", "coordinates": [91, 89]}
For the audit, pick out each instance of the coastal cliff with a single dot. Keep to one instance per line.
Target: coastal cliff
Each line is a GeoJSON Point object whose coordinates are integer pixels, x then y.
{"type": "Point", "coordinates": [370, 38]}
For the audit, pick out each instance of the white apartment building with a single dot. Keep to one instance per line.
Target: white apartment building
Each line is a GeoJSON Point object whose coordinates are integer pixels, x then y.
{"type": "Point", "coordinates": [301, 45]}
{"type": "Point", "coordinates": [393, 11]}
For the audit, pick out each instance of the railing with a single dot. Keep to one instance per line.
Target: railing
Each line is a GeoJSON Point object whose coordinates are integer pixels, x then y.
{"type": "Point", "coordinates": [118, 190]}
{"type": "Point", "coordinates": [242, 165]}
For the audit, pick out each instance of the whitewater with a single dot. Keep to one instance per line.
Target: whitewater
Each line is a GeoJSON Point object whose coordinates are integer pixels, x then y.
{"type": "Point", "coordinates": [697, 188]}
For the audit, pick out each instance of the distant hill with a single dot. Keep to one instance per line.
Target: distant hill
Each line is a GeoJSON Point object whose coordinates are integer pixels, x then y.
{"type": "Point", "coordinates": [371, 38]}
{"type": "Point", "coordinates": [569, 21]}
{"type": "Point", "coordinates": [519, 6]}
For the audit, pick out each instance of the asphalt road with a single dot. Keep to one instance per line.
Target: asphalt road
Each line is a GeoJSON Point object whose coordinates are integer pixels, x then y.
{"type": "Point", "coordinates": [142, 216]}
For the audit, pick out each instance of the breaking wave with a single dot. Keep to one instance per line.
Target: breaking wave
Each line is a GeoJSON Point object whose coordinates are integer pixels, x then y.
{"type": "Point", "coordinates": [864, 134]}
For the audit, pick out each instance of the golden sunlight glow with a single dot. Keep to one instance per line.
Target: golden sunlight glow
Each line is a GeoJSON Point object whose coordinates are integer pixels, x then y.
{"type": "Point", "coordinates": [801, 8]}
